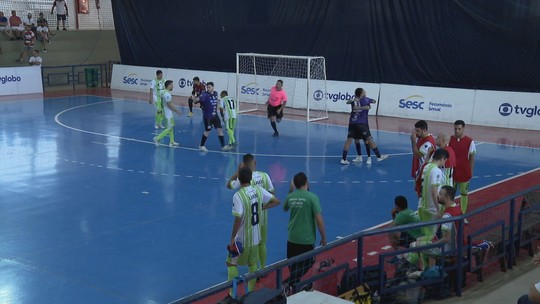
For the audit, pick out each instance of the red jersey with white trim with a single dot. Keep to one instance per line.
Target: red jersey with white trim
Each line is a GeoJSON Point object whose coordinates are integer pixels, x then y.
{"type": "Point", "coordinates": [426, 147]}
{"type": "Point", "coordinates": [463, 147]}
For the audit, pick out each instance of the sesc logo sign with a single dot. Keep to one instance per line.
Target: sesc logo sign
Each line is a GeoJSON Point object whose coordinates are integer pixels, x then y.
{"type": "Point", "coordinates": [249, 89]}
{"type": "Point", "coordinates": [11, 78]}
{"type": "Point", "coordinates": [506, 109]}
{"type": "Point", "coordinates": [130, 79]}
{"type": "Point", "coordinates": [410, 103]}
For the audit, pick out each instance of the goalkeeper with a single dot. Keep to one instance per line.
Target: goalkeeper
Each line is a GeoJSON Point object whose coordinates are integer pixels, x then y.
{"type": "Point", "coordinates": [227, 108]}
{"type": "Point", "coordinates": [276, 103]}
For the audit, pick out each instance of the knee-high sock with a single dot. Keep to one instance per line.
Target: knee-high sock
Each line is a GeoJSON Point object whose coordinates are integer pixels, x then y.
{"type": "Point", "coordinates": [344, 155]}
{"type": "Point", "coordinates": [262, 254]}
{"type": "Point", "coordinates": [273, 124]}
{"type": "Point", "coordinates": [368, 150]}
{"type": "Point", "coordinates": [203, 140]}
{"type": "Point", "coordinates": [230, 132]}
{"type": "Point", "coordinates": [464, 192]}
{"type": "Point", "coordinates": [166, 132]}
{"type": "Point", "coordinates": [190, 104]}
{"type": "Point", "coordinates": [222, 140]}
{"type": "Point", "coordinates": [232, 272]}
{"type": "Point", "coordinates": [252, 283]}
{"type": "Point", "coordinates": [358, 149]}
{"type": "Point", "coordinates": [377, 153]}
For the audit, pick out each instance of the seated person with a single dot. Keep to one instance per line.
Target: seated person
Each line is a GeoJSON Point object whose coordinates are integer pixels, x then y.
{"type": "Point", "coordinates": [16, 25]}
{"type": "Point", "coordinates": [41, 19]}
{"type": "Point", "coordinates": [4, 27]}
{"type": "Point", "coordinates": [402, 215]}
{"type": "Point", "coordinates": [42, 34]}
{"type": "Point", "coordinates": [31, 21]}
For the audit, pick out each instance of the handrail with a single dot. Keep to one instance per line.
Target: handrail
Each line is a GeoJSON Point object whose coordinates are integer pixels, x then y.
{"type": "Point", "coordinates": [358, 236]}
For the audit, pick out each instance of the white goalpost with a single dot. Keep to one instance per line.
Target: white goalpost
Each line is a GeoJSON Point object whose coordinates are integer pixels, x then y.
{"type": "Point", "coordinates": [304, 80]}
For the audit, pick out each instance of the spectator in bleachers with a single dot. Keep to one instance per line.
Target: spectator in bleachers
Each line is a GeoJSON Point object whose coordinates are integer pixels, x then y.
{"type": "Point", "coordinates": [61, 13]}
{"type": "Point", "coordinates": [402, 215]}
{"type": "Point", "coordinates": [29, 40]}
{"type": "Point", "coordinates": [35, 60]}
{"type": "Point", "coordinates": [534, 291]}
{"type": "Point", "coordinates": [4, 27]}
{"type": "Point", "coordinates": [41, 19]}
{"type": "Point", "coordinates": [31, 21]}
{"type": "Point", "coordinates": [42, 34]}
{"type": "Point", "coordinates": [16, 25]}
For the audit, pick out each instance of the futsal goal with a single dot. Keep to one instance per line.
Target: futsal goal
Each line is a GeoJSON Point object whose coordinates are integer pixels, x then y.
{"type": "Point", "coordinates": [304, 80]}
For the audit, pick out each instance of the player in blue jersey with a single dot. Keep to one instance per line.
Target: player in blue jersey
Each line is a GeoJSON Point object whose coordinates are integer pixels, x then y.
{"type": "Point", "coordinates": [209, 102]}
{"type": "Point", "coordinates": [359, 128]}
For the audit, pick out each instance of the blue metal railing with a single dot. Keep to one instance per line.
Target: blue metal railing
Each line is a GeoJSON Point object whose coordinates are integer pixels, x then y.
{"type": "Point", "coordinates": [508, 239]}
{"type": "Point", "coordinates": [70, 75]}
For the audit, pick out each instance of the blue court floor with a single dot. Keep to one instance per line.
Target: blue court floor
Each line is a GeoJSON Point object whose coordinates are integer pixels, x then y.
{"type": "Point", "coordinates": [93, 212]}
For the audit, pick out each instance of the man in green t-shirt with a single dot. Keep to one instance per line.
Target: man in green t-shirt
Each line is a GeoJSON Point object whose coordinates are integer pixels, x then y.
{"type": "Point", "coordinates": [402, 215]}
{"type": "Point", "coordinates": [305, 217]}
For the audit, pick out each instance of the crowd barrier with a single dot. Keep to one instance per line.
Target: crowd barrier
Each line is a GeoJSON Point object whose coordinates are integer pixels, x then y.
{"type": "Point", "coordinates": [510, 223]}
{"type": "Point", "coordinates": [476, 107]}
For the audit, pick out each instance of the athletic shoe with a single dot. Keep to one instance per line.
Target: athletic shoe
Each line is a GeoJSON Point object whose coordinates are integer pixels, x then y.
{"type": "Point", "coordinates": [276, 134]}
{"type": "Point", "coordinates": [203, 148]}
{"type": "Point", "coordinates": [226, 148]}
{"type": "Point", "coordinates": [383, 157]}
{"type": "Point", "coordinates": [174, 144]}
{"type": "Point", "coordinates": [465, 221]}
{"type": "Point", "coordinates": [161, 127]}
{"type": "Point", "coordinates": [344, 162]}
{"type": "Point", "coordinates": [368, 160]}
{"type": "Point", "coordinates": [358, 159]}
{"type": "Point", "coordinates": [156, 126]}
{"type": "Point", "coordinates": [278, 120]}
{"type": "Point", "coordinates": [156, 142]}
{"type": "Point", "coordinates": [228, 300]}
{"type": "Point", "coordinates": [190, 114]}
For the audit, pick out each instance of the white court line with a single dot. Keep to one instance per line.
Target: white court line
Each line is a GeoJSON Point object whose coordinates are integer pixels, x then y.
{"type": "Point", "coordinates": [471, 192]}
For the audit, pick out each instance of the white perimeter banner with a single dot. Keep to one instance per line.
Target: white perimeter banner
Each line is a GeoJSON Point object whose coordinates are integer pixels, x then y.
{"type": "Point", "coordinates": [507, 109]}
{"type": "Point", "coordinates": [134, 78]}
{"type": "Point", "coordinates": [20, 80]}
{"type": "Point", "coordinates": [183, 80]}
{"type": "Point", "coordinates": [429, 103]}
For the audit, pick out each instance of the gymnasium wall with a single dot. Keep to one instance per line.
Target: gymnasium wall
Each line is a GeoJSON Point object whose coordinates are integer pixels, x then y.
{"type": "Point", "coordinates": [482, 44]}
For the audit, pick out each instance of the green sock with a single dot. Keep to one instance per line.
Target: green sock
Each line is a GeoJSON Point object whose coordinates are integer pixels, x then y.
{"type": "Point", "coordinates": [230, 132]}
{"type": "Point", "coordinates": [232, 272]}
{"type": "Point", "coordinates": [171, 134]}
{"type": "Point", "coordinates": [163, 134]}
{"type": "Point", "coordinates": [252, 283]}
{"type": "Point", "coordinates": [262, 255]}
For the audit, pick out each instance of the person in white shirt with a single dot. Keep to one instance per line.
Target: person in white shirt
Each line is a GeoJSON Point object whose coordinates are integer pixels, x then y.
{"type": "Point", "coordinates": [61, 13]}
{"type": "Point", "coordinates": [35, 60]}
{"type": "Point", "coordinates": [42, 34]}
{"type": "Point", "coordinates": [31, 21]}
{"type": "Point", "coordinates": [168, 109]}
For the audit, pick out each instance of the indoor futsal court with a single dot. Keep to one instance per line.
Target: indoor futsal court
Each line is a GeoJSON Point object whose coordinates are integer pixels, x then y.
{"type": "Point", "coordinates": [93, 208]}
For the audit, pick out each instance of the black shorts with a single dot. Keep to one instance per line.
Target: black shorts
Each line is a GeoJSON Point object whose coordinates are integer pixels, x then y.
{"type": "Point", "coordinates": [212, 122]}
{"type": "Point", "coordinates": [60, 17]}
{"type": "Point", "coordinates": [272, 111]}
{"type": "Point", "coordinates": [359, 131]}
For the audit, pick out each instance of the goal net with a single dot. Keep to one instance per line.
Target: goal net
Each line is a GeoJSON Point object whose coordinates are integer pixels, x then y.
{"type": "Point", "coordinates": [304, 80]}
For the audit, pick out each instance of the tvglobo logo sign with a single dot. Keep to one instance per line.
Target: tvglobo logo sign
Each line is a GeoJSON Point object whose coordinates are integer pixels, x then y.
{"type": "Point", "coordinates": [506, 109]}
{"type": "Point", "coordinates": [319, 95]}
{"type": "Point", "coordinates": [12, 78]}
{"type": "Point", "coordinates": [182, 83]}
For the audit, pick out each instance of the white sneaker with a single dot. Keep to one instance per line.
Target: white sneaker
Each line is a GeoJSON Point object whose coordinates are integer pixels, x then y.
{"type": "Point", "coordinates": [161, 127]}
{"type": "Point", "coordinates": [174, 144]}
{"type": "Point", "coordinates": [358, 159]}
{"type": "Point", "coordinates": [226, 148]}
{"type": "Point", "coordinates": [344, 162]}
{"type": "Point", "coordinates": [368, 160]}
{"type": "Point", "coordinates": [203, 148]}
{"type": "Point", "coordinates": [156, 142]}
{"type": "Point", "coordinates": [156, 126]}
{"type": "Point", "coordinates": [383, 157]}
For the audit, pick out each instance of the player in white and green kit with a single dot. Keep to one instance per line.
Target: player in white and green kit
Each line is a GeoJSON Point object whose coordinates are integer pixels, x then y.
{"type": "Point", "coordinates": [157, 86]}
{"type": "Point", "coordinates": [248, 203]}
{"type": "Point", "coordinates": [262, 180]}
{"type": "Point", "coordinates": [228, 109]}
{"type": "Point", "coordinates": [168, 109]}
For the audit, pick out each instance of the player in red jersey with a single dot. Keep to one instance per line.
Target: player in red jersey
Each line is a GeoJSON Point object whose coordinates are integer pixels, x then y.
{"type": "Point", "coordinates": [465, 150]}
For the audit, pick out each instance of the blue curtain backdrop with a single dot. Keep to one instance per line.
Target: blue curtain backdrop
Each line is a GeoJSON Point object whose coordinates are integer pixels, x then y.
{"type": "Point", "coordinates": [492, 44]}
